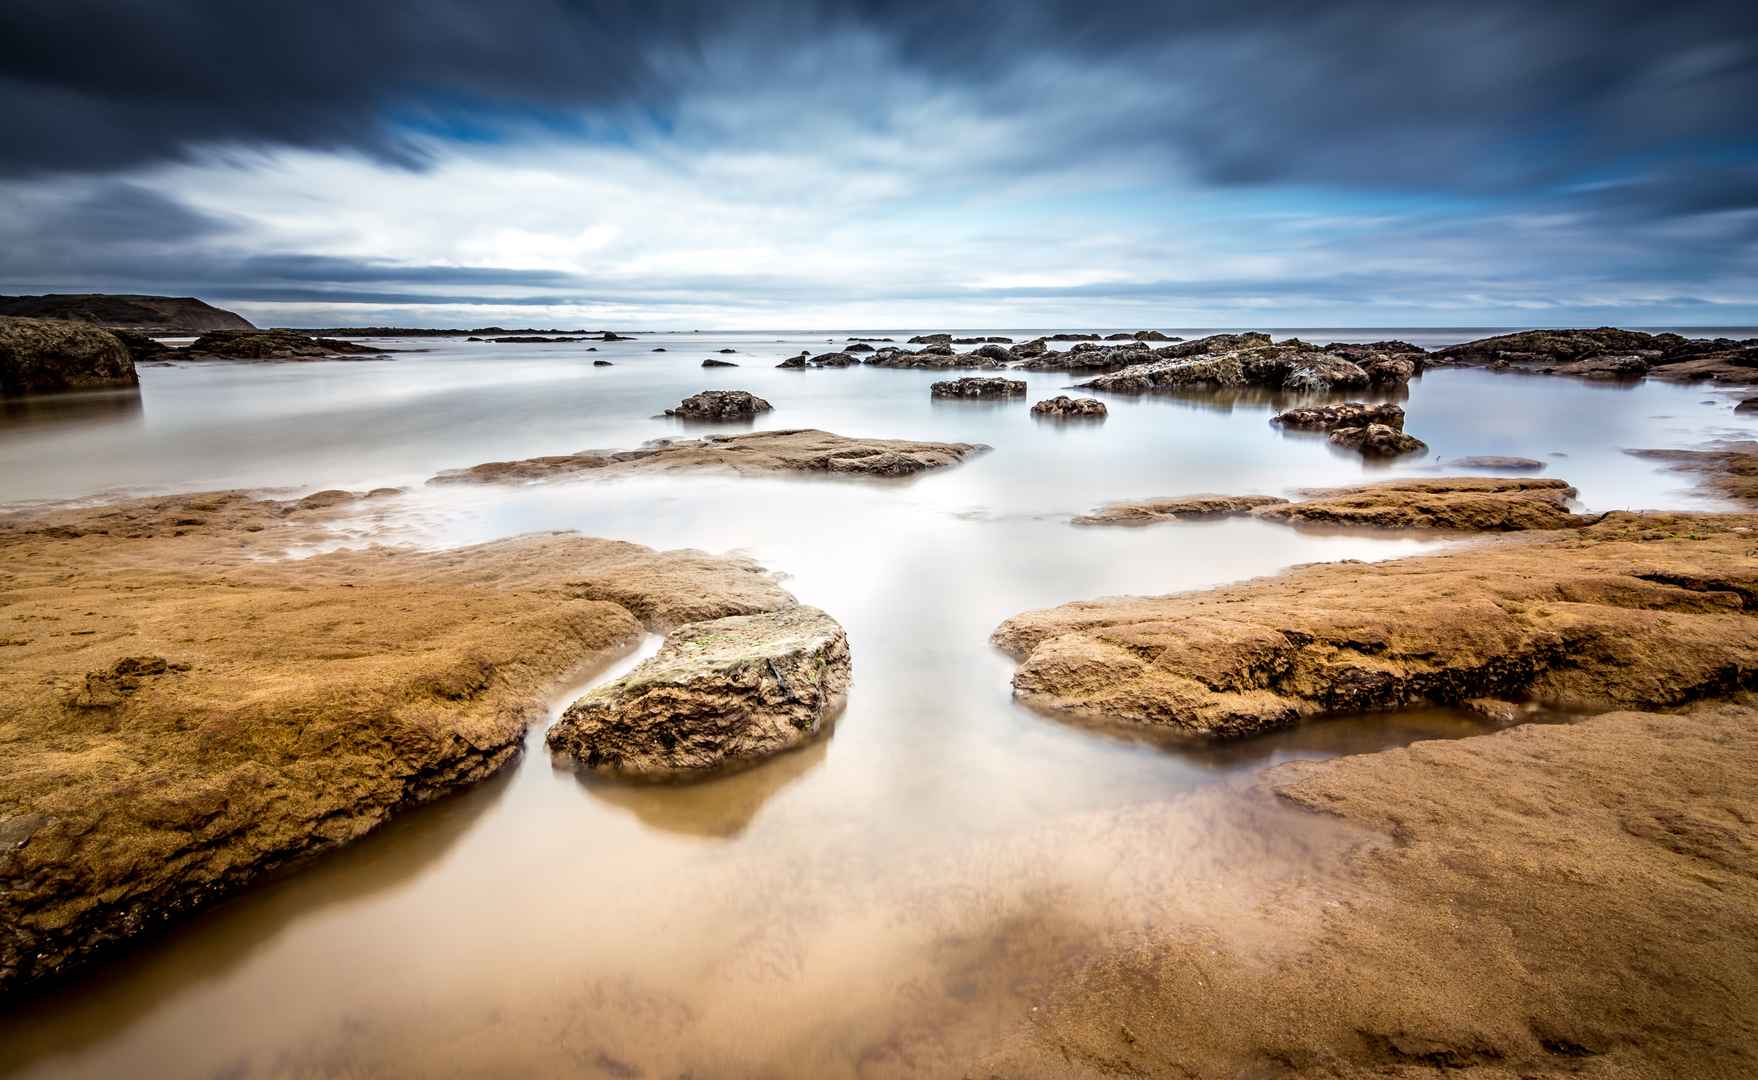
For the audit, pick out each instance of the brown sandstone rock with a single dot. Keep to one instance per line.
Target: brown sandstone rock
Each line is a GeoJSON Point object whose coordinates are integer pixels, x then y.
{"type": "Point", "coordinates": [1377, 440]}
{"type": "Point", "coordinates": [181, 712]}
{"type": "Point", "coordinates": [796, 450]}
{"type": "Point", "coordinates": [1638, 610]}
{"type": "Point", "coordinates": [1342, 415]}
{"type": "Point", "coordinates": [1183, 507]}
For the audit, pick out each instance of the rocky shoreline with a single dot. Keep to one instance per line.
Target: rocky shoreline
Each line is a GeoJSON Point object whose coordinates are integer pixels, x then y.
{"type": "Point", "coordinates": [150, 768]}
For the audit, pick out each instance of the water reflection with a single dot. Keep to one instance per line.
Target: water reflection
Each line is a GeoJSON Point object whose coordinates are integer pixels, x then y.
{"type": "Point", "coordinates": [719, 808]}
{"type": "Point", "coordinates": [90, 407]}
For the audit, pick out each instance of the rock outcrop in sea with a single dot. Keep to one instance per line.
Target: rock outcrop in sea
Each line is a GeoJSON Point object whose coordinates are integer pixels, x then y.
{"type": "Point", "coordinates": [974, 388]}
{"type": "Point", "coordinates": [1610, 353]}
{"type": "Point", "coordinates": [1249, 360]}
{"type": "Point", "coordinates": [1341, 415]}
{"type": "Point", "coordinates": [1635, 611]}
{"type": "Point", "coordinates": [719, 695]}
{"type": "Point", "coordinates": [1063, 407]}
{"type": "Point", "coordinates": [46, 356]}
{"type": "Point", "coordinates": [720, 405]}
{"type": "Point", "coordinates": [1377, 441]}
{"type": "Point", "coordinates": [759, 452]}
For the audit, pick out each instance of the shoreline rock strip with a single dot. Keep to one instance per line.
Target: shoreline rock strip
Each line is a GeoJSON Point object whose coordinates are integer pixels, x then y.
{"type": "Point", "coordinates": [783, 451]}
{"type": "Point", "coordinates": [719, 695]}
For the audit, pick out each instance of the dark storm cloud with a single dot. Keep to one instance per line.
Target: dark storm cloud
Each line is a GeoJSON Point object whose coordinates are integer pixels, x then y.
{"type": "Point", "coordinates": [1360, 92]}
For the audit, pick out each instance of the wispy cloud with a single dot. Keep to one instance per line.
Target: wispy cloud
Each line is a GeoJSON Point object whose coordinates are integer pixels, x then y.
{"type": "Point", "coordinates": [866, 163]}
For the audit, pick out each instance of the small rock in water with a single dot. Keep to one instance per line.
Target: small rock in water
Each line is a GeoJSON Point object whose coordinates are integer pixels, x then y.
{"type": "Point", "coordinates": [720, 405]}
{"type": "Point", "coordinates": [1063, 407]}
{"type": "Point", "coordinates": [971, 387]}
{"type": "Point", "coordinates": [711, 362]}
{"type": "Point", "coordinates": [1378, 440]}
{"type": "Point", "coordinates": [1344, 414]}
{"type": "Point", "coordinates": [718, 695]}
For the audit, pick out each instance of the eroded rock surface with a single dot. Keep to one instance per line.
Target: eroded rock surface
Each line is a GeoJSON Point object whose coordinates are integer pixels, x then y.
{"type": "Point", "coordinates": [46, 356]}
{"type": "Point", "coordinates": [1243, 360]}
{"type": "Point", "coordinates": [1607, 352]}
{"type": "Point", "coordinates": [794, 450]}
{"type": "Point", "coordinates": [932, 357]}
{"type": "Point", "coordinates": [1635, 611]}
{"type": "Point", "coordinates": [1466, 503]}
{"type": "Point", "coordinates": [1063, 407]}
{"type": "Point", "coordinates": [1342, 415]}
{"type": "Point", "coordinates": [1378, 441]}
{"type": "Point", "coordinates": [1729, 469]}
{"type": "Point", "coordinates": [720, 405]}
{"type": "Point", "coordinates": [182, 712]}
{"type": "Point", "coordinates": [718, 695]}
{"type": "Point", "coordinates": [272, 345]}
{"type": "Point", "coordinates": [973, 388]}
{"type": "Point", "coordinates": [1180, 508]}
{"type": "Point", "coordinates": [1555, 900]}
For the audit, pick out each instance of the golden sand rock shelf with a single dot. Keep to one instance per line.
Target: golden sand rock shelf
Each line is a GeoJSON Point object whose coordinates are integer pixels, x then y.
{"type": "Point", "coordinates": [179, 716]}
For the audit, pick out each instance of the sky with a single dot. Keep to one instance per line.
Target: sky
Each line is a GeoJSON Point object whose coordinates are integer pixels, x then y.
{"type": "Point", "coordinates": [861, 163]}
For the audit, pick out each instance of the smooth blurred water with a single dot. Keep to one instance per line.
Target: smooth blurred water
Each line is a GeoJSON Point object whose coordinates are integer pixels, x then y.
{"type": "Point", "coordinates": [802, 918]}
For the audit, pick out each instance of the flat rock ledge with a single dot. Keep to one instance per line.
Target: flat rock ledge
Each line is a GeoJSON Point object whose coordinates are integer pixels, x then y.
{"type": "Point", "coordinates": [1347, 414]}
{"type": "Point", "coordinates": [1609, 353]}
{"type": "Point", "coordinates": [1063, 407]}
{"type": "Point", "coordinates": [719, 695]}
{"type": "Point", "coordinates": [221, 713]}
{"type": "Point", "coordinates": [1639, 610]}
{"type": "Point", "coordinates": [785, 451]}
{"type": "Point", "coordinates": [1181, 508]}
{"type": "Point", "coordinates": [1462, 503]}
{"type": "Point", "coordinates": [1377, 441]}
{"type": "Point", "coordinates": [977, 388]}
{"type": "Point", "coordinates": [720, 405]}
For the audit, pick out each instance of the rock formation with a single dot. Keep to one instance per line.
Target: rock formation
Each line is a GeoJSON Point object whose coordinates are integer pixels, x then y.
{"type": "Point", "coordinates": [1377, 441]}
{"type": "Point", "coordinates": [1637, 610]}
{"type": "Point", "coordinates": [1470, 503]}
{"type": "Point", "coordinates": [800, 450]}
{"type": "Point", "coordinates": [718, 695]}
{"type": "Point", "coordinates": [974, 388]}
{"type": "Point", "coordinates": [223, 711]}
{"type": "Point", "coordinates": [1228, 361]}
{"type": "Point", "coordinates": [46, 356]}
{"type": "Point", "coordinates": [271, 345]}
{"type": "Point", "coordinates": [1063, 407]}
{"type": "Point", "coordinates": [1343, 415]}
{"type": "Point", "coordinates": [1610, 353]}
{"type": "Point", "coordinates": [1179, 508]}
{"type": "Point", "coordinates": [720, 405]}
